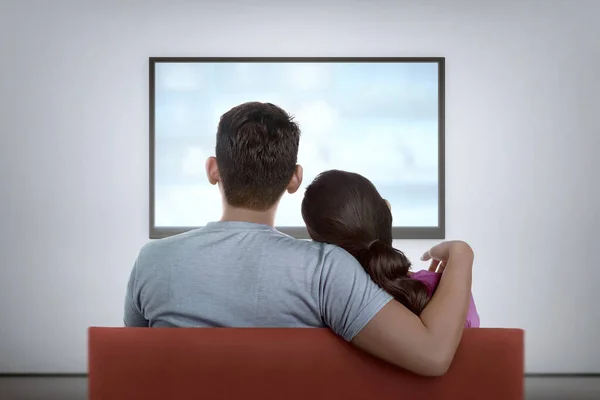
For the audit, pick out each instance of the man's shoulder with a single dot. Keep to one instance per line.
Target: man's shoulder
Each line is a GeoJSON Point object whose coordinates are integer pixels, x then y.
{"type": "Point", "coordinates": [310, 252]}
{"type": "Point", "coordinates": [159, 250]}
{"type": "Point", "coordinates": [330, 259]}
{"type": "Point", "coordinates": [286, 241]}
{"type": "Point", "coordinates": [329, 253]}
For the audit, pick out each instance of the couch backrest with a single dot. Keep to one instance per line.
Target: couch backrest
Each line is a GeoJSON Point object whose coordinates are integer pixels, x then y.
{"type": "Point", "coordinates": [289, 364]}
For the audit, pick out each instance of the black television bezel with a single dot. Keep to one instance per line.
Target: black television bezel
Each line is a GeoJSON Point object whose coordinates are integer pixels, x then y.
{"type": "Point", "coordinates": [398, 232]}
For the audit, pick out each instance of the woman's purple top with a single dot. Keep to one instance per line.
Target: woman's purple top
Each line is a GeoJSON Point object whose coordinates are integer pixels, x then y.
{"type": "Point", "coordinates": [432, 280]}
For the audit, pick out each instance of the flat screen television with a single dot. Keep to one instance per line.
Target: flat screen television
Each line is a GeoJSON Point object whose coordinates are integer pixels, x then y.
{"type": "Point", "coordinates": [380, 117]}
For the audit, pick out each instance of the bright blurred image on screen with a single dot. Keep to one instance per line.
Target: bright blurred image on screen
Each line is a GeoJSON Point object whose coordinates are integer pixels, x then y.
{"type": "Point", "coordinates": [377, 119]}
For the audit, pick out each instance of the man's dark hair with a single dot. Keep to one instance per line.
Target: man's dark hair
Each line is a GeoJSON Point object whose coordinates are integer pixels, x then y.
{"type": "Point", "coordinates": [256, 151]}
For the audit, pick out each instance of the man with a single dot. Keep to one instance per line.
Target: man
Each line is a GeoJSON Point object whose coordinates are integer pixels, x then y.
{"type": "Point", "coordinates": [241, 272]}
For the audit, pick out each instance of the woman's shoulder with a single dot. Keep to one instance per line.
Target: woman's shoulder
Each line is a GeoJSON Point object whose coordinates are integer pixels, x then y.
{"type": "Point", "coordinates": [430, 279]}
{"type": "Point", "coordinates": [425, 275]}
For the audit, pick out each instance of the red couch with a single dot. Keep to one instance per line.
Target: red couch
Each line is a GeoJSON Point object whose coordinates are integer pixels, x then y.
{"type": "Point", "coordinates": [289, 364]}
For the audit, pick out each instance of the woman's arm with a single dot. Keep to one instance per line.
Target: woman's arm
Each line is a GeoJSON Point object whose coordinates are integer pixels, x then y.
{"type": "Point", "coordinates": [425, 345]}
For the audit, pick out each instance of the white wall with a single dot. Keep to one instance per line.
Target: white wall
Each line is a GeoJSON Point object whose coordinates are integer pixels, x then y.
{"type": "Point", "coordinates": [522, 134]}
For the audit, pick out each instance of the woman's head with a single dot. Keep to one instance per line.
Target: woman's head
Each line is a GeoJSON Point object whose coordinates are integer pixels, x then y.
{"type": "Point", "coordinates": [345, 209]}
{"type": "Point", "coordinates": [342, 206]}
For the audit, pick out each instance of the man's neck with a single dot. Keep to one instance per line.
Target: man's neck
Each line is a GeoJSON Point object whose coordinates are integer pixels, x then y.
{"type": "Point", "coordinates": [246, 215]}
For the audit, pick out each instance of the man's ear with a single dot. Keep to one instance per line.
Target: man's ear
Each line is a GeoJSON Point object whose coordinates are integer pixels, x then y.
{"type": "Point", "coordinates": [388, 204]}
{"type": "Point", "coordinates": [212, 171]}
{"type": "Point", "coordinates": [296, 180]}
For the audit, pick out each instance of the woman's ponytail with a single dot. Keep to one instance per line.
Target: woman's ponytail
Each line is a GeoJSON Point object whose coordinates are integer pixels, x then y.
{"type": "Point", "coordinates": [388, 267]}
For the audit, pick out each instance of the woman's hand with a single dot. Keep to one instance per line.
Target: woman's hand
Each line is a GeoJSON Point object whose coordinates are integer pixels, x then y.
{"type": "Point", "coordinates": [441, 253]}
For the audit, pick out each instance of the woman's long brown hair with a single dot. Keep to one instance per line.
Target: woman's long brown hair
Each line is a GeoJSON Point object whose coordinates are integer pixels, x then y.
{"type": "Point", "coordinates": [345, 209]}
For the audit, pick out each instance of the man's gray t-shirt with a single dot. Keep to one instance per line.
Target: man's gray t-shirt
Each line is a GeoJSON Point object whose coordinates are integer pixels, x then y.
{"type": "Point", "coordinates": [239, 274]}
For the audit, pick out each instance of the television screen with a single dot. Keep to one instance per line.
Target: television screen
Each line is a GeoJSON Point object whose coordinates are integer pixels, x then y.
{"type": "Point", "coordinates": [382, 118]}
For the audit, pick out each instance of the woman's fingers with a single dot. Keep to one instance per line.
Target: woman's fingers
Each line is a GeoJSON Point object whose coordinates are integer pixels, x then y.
{"type": "Point", "coordinates": [442, 267]}
{"type": "Point", "coordinates": [434, 265]}
{"type": "Point", "coordinates": [437, 266]}
{"type": "Point", "coordinates": [426, 256]}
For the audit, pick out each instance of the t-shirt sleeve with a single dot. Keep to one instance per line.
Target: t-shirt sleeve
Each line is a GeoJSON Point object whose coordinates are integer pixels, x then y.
{"type": "Point", "coordinates": [133, 316]}
{"type": "Point", "coordinates": [472, 315]}
{"type": "Point", "coordinates": [349, 299]}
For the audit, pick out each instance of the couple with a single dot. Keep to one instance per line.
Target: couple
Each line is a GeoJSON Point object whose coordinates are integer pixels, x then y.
{"type": "Point", "coordinates": [241, 272]}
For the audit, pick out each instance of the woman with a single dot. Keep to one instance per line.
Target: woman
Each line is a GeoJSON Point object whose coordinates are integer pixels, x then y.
{"type": "Point", "coordinates": [345, 209]}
